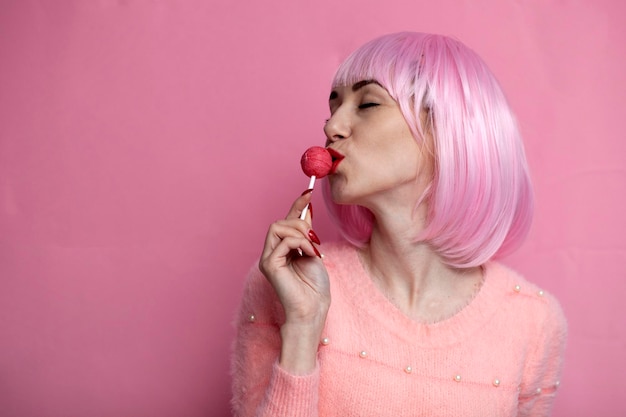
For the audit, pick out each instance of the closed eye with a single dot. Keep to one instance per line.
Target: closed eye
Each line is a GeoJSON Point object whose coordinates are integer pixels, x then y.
{"type": "Point", "coordinates": [367, 105]}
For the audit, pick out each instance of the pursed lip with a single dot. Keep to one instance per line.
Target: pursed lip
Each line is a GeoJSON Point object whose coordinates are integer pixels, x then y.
{"type": "Point", "coordinates": [337, 158]}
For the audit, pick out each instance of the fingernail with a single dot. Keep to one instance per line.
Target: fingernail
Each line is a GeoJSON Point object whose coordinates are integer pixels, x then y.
{"type": "Point", "coordinates": [307, 191]}
{"type": "Point", "coordinates": [319, 255]}
{"type": "Point", "coordinates": [314, 237]}
{"type": "Point", "coordinates": [311, 210]}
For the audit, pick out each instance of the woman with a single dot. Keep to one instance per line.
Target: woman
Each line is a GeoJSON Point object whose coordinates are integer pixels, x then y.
{"type": "Point", "coordinates": [429, 184]}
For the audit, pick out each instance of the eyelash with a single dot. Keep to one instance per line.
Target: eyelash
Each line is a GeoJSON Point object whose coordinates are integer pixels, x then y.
{"type": "Point", "coordinates": [362, 107]}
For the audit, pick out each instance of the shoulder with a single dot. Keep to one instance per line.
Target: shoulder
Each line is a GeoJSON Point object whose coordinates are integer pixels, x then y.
{"type": "Point", "coordinates": [529, 293]}
{"type": "Point", "coordinates": [533, 308]}
{"type": "Point", "coordinates": [343, 265]}
{"type": "Point", "coordinates": [526, 294]}
{"type": "Point", "coordinates": [338, 249]}
{"type": "Point", "coordinates": [340, 256]}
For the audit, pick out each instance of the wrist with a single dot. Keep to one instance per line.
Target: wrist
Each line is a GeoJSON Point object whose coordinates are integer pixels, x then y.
{"type": "Point", "coordinates": [300, 344]}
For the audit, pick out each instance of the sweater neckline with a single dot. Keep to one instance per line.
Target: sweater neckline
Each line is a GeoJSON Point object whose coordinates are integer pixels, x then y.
{"type": "Point", "coordinates": [462, 324]}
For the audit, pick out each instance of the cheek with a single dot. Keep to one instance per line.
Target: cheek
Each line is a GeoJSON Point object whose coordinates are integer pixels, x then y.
{"type": "Point", "coordinates": [407, 154]}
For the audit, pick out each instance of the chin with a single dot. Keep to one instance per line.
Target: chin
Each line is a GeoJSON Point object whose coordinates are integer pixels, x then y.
{"type": "Point", "coordinates": [338, 195]}
{"type": "Point", "coordinates": [344, 197]}
{"type": "Point", "coordinates": [342, 193]}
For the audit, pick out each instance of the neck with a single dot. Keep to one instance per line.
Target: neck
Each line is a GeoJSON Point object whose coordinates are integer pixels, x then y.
{"type": "Point", "coordinates": [411, 274]}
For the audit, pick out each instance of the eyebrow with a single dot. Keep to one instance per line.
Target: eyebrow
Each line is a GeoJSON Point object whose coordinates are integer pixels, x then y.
{"type": "Point", "coordinates": [363, 83]}
{"type": "Point", "coordinates": [355, 87]}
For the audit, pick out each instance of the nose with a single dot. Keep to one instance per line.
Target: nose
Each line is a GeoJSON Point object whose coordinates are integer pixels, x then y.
{"type": "Point", "coordinates": [337, 127]}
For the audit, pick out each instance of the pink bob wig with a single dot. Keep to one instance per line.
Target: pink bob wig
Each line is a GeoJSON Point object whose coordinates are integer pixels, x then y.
{"type": "Point", "coordinates": [480, 201]}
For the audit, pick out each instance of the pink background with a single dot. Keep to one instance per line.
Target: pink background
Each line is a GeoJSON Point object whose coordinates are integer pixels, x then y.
{"type": "Point", "coordinates": [145, 146]}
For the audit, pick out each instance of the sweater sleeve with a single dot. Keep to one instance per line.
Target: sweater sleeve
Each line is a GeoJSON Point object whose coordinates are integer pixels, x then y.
{"type": "Point", "coordinates": [261, 388]}
{"type": "Point", "coordinates": [543, 368]}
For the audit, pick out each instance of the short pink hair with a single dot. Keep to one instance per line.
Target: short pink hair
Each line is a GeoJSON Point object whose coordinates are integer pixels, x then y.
{"type": "Point", "coordinates": [480, 201]}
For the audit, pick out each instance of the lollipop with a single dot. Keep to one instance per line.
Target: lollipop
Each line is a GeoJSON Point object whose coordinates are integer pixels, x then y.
{"type": "Point", "coordinates": [316, 162]}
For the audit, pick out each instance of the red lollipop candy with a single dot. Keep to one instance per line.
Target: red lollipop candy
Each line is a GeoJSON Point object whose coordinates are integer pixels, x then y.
{"type": "Point", "coordinates": [316, 161]}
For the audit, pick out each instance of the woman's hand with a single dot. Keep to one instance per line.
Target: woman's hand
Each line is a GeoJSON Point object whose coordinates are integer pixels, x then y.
{"type": "Point", "coordinates": [301, 283]}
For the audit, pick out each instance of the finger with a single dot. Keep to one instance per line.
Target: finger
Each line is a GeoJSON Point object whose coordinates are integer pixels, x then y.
{"type": "Point", "coordinates": [304, 247]}
{"type": "Point", "coordinates": [279, 256]}
{"type": "Point", "coordinates": [298, 205]}
{"type": "Point", "coordinates": [309, 213]}
{"type": "Point", "coordinates": [283, 229]}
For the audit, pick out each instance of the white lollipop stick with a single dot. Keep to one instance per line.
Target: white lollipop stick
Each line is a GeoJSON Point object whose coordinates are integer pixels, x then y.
{"type": "Point", "coordinates": [306, 208]}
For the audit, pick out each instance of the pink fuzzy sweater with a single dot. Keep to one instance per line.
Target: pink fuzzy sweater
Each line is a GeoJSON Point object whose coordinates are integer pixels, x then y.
{"type": "Point", "coordinates": [499, 356]}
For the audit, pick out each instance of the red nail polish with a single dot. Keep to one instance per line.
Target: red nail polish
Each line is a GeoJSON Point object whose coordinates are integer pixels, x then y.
{"type": "Point", "coordinates": [307, 191]}
{"type": "Point", "coordinates": [311, 210]}
{"type": "Point", "coordinates": [319, 255]}
{"type": "Point", "coordinates": [314, 237]}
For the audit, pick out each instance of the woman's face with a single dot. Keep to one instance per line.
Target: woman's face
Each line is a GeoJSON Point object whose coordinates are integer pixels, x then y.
{"type": "Point", "coordinates": [383, 163]}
